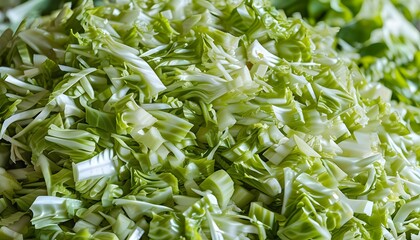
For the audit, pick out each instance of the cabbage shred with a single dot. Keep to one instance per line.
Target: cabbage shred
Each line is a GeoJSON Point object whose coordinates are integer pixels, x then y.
{"type": "Point", "coordinates": [198, 120]}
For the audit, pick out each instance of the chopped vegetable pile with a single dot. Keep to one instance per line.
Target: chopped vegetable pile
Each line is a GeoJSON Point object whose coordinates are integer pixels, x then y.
{"type": "Point", "coordinates": [209, 119]}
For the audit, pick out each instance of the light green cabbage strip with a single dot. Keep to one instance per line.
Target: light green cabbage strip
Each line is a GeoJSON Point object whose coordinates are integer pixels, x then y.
{"type": "Point", "coordinates": [98, 166]}
{"type": "Point", "coordinates": [204, 119]}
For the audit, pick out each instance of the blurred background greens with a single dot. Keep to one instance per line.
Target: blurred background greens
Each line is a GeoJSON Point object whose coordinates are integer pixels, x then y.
{"type": "Point", "coordinates": [381, 36]}
{"type": "Point", "coordinates": [12, 12]}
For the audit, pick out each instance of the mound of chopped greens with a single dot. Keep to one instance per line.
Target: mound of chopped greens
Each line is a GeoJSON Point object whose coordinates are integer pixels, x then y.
{"type": "Point", "coordinates": [221, 119]}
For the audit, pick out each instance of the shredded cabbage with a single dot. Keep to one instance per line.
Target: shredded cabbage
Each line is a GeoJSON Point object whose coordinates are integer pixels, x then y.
{"type": "Point", "coordinates": [207, 119]}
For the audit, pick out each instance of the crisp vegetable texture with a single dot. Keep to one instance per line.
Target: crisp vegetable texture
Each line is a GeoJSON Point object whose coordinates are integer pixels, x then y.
{"type": "Point", "coordinates": [208, 119]}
